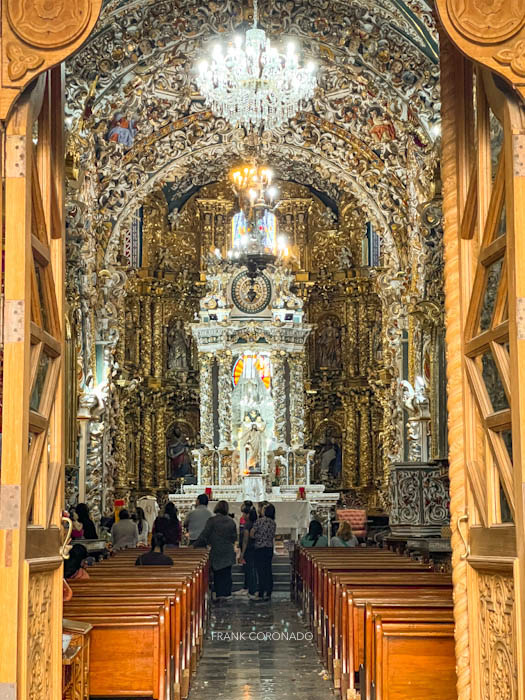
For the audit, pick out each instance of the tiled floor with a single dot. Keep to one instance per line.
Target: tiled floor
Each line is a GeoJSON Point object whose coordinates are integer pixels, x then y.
{"type": "Point", "coordinates": [259, 651]}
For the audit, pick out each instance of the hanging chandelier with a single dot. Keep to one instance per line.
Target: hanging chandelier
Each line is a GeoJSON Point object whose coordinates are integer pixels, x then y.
{"type": "Point", "coordinates": [254, 85]}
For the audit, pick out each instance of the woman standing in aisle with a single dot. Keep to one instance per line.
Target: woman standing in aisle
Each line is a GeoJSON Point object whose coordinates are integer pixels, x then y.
{"type": "Point", "coordinates": [142, 526]}
{"type": "Point", "coordinates": [220, 534]}
{"type": "Point", "coordinates": [263, 533]}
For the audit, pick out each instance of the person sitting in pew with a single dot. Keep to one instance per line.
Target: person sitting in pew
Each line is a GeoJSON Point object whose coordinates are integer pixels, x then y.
{"type": "Point", "coordinates": [345, 537]}
{"type": "Point", "coordinates": [73, 566]}
{"type": "Point", "coordinates": [156, 556]}
{"type": "Point", "coordinates": [169, 525]}
{"type": "Point", "coordinates": [314, 537]}
{"type": "Point", "coordinates": [124, 533]}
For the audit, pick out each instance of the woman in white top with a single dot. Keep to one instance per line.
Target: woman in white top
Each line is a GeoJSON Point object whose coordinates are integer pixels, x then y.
{"type": "Point", "coordinates": [345, 537]}
{"type": "Point", "coordinates": [142, 526]}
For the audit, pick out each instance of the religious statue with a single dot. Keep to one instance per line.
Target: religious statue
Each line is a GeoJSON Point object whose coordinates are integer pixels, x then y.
{"type": "Point", "coordinates": [251, 440]}
{"type": "Point", "coordinates": [329, 346]}
{"type": "Point", "coordinates": [177, 347]}
{"type": "Point", "coordinates": [122, 130]}
{"type": "Point", "coordinates": [179, 461]}
{"type": "Point", "coordinates": [330, 459]}
{"type": "Point", "coordinates": [417, 405]}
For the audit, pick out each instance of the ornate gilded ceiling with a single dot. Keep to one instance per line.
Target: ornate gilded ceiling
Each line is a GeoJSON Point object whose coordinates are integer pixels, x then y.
{"type": "Point", "coordinates": [368, 131]}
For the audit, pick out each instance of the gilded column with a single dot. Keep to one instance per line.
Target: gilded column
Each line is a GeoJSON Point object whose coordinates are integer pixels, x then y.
{"type": "Point", "coordinates": [157, 341]}
{"type": "Point", "coordinates": [296, 363]}
{"type": "Point", "coordinates": [278, 395]}
{"type": "Point", "coordinates": [146, 339]}
{"type": "Point", "coordinates": [146, 471]}
{"type": "Point", "coordinates": [350, 454]}
{"type": "Point", "coordinates": [365, 437]}
{"type": "Point", "coordinates": [121, 476]}
{"type": "Point", "coordinates": [363, 330]}
{"type": "Point", "coordinates": [206, 399]}
{"type": "Point", "coordinates": [225, 398]}
{"type": "Point", "coordinates": [160, 443]}
{"type": "Point", "coordinates": [351, 359]}
{"type": "Point", "coordinates": [135, 315]}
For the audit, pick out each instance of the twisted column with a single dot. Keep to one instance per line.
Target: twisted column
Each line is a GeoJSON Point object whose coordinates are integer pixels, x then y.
{"type": "Point", "coordinates": [146, 467]}
{"type": "Point", "coordinates": [297, 398]}
{"type": "Point", "coordinates": [452, 65]}
{"type": "Point", "coordinates": [365, 438]}
{"type": "Point", "coordinates": [206, 396]}
{"type": "Point", "coordinates": [279, 399]}
{"type": "Point", "coordinates": [146, 339]}
{"type": "Point", "coordinates": [157, 340]}
{"type": "Point", "coordinates": [225, 398]}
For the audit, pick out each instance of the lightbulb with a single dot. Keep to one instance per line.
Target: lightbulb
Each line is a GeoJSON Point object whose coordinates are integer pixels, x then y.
{"type": "Point", "coordinates": [291, 48]}
{"type": "Point", "coordinates": [272, 192]}
{"type": "Point", "coordinates": [238, 41]}
{"type": "Point", "coordinates": [310, 67]}
{"type": "Point", "coordinates": [203, 66]}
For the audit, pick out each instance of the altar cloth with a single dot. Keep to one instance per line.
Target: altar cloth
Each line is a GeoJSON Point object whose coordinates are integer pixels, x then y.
{"type": "Point", "coordinates": [289, 515]}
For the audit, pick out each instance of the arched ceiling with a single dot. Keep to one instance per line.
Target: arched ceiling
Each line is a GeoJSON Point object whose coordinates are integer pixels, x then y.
{"type": "Point", "coordinates": [368, 129]}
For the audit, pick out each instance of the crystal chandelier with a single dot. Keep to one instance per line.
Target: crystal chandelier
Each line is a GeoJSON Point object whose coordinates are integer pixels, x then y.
{"type": "Point", "coordinates": [254, 84]}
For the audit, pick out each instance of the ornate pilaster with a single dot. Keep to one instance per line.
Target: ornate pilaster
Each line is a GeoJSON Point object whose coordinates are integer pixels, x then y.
{"type": "Point", "coordinates": [146, 471]}
{"type": "Point", "coordinates": [365, 451]}
{"type": "Point", "coordinates": [145, 341]}
{"type": "Point", "coordinates": [296, 363]}
{"type": "Point", "coordinates": [363, 329]}
{"type": "Point", "coordinates": [225, 397]}
{"type": "Point", "coordinates": [160, 442]}
{"type": "Point", "coordinates": [157, 340]}
{"type": "Point", "coordinates": [350, 443]}
{"type": "Point", "coordinates": [120, 476]}
{"type": "Point", "coordinates": [278, 388]}
{"type": "Point", "coordinates": [206, 396]}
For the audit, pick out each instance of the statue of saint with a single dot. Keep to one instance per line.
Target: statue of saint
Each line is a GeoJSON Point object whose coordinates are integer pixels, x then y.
{"type": "Point", "coordinates": [177, 347]}
{"type": "Point", "coordinates": [179, 460]}
{"type": "Point", "coordinates": [329, 346]}
{"type": "Point", "coordinates": [251, 441]}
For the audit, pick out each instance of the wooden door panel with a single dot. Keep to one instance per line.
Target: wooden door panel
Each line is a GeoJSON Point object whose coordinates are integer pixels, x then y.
{"type": "Point", "coordinates": [485, 384]}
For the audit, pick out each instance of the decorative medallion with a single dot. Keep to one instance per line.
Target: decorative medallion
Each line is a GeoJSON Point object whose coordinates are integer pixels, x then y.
{"type": "Point", "coordinates": [487, 21]}
{"type": "Point", "coordinates": [48, 23]}
{"type": "Point", "coordinates": [251, 296]}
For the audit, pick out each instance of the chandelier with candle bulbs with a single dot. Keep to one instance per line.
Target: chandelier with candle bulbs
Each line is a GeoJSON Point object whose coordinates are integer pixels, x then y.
{"type": "Point", "coordinates": [252, 84]}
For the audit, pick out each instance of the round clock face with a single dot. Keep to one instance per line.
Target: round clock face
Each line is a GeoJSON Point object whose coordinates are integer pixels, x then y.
{"type": "Point", "coordinates": [251, 296]}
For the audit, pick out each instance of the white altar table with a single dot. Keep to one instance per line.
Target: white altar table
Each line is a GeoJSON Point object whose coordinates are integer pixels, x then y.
{"type": "Point", "coordinates": [290, 516]}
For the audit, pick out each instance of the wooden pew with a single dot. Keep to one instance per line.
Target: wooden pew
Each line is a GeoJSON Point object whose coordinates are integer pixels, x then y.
{"type": "Point", "coordinates": [408, 612]}
{"type": "Point", "coordinates": [160, 612]}
{"type": "Point", "coordinates": [336, 585]}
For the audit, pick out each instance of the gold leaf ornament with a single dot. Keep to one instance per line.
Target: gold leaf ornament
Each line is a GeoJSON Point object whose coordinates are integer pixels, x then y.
{"type": "Point", "coordinates": [20, 60]}
{"type": "Point", "coordinates": [515, 57]}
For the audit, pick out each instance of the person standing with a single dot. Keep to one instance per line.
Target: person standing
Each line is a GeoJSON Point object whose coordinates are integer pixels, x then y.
{"type": "Point", "coordinates": [169, 525]}
{"type": "Point", "coordinates": [124, 533]}
{"type": "Point", "coordinates": [196, 519]}
{"type": "Point", "coordinates": [247, 557]}
{"type": "Point", "coordinates": [263, 533]}
{"type": "Point", "coordinates": [220, 534]}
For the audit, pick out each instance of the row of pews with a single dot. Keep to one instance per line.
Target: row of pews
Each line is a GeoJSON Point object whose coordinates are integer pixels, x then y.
{"type": "Point", "coordinates": [382, 623]}
{"type": "Point", "coordinates": [148, 623]}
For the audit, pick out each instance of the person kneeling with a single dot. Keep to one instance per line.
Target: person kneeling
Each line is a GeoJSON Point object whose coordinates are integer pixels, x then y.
{"type": "Point", "coordinates": [156, 556]}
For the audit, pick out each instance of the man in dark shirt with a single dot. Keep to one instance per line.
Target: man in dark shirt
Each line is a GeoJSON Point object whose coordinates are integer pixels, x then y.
{"type": "Point", "coordinates": [156, 556]}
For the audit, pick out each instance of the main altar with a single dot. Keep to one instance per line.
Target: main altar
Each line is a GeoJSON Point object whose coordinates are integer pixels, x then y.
{"type": "Point", "coordinates": [251, 340]}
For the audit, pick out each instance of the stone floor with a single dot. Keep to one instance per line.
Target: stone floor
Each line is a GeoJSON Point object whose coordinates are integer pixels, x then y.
{"type": "Point", "coordinates": [259, 651]}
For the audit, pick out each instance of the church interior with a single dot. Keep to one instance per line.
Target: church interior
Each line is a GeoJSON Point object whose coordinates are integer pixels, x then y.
{"type": "Point", "coordinates": [265, 252]}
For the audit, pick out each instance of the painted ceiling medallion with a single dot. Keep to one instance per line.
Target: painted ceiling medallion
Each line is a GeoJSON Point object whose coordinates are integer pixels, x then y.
{"type": "Point", "coordinates": [48, 23]}
{"type": "Point", "coordinates": [254, 85]}
{"type": "Point", "coordinates": [484, 21]}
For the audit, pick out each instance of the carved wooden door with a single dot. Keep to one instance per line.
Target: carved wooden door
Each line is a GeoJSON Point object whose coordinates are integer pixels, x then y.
{"type": "Point", "coordinates": [32, 469]}
{"type": "Point", "coordinates": [483, 169]}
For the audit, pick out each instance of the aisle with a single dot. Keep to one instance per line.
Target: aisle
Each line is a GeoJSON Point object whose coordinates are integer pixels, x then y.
{"type": "Point", "coordinates": [259, 651]}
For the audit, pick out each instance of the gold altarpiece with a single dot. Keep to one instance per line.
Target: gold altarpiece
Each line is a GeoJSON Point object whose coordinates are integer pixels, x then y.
{"type": "Point", "coordinates": [348, 390]}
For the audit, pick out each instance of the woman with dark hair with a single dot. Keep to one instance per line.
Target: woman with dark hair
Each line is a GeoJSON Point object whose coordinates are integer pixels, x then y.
{"type": "Point", "coordinates": [263, 533]}
{"type": "Point", "coordinates": [142, 526]}
{"type": "Point", "coordinates": [220, 534]}
{"type": "Point", "coordinates": [124, 533]}
{"type": "Point", "coordinates": [90, 531]}
{"type": "Point", "coordinates": [73, 568]}
{"type": "Point", "coordinates": [169, 525]}
{"type": "Point", "coordinates": [156, 556]}
{"type": "Point", "coordinates": [314, 537]}
{"type": "Point", "coordinates": [248, 554]}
